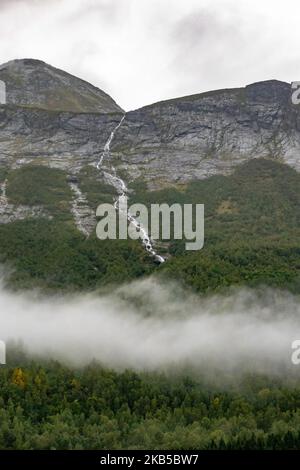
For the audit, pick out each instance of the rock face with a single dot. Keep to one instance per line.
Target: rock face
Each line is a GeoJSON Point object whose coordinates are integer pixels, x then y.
{"type": "Point", "coordinates": [36, 84]}
{"type": "Point", "coordinates": [52, 118]}
{"type": "Point", "coordinates": [198, 136]}
{"type": "Point", "coordinates": [57, 139]}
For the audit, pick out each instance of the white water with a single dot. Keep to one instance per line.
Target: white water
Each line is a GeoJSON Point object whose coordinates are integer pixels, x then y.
{"type": "Point", "coordinates": [84, 216]}
{"type": "Point", "coordinates": [122, 191]}
{"type": "Point", "coordinates": [3, 197]}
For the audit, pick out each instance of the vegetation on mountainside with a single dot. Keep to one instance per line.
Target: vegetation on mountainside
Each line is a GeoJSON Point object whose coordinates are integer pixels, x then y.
{"type": "Point", "coordinates": [96, 190]}
{"type": "Point", "coordinates": [252, 228]}
{"type": "Point", "coordinates": [34, 185]}
{"type": "Point", "coordinates": [252, 232]}
{"type": "Point", "coordinates": [50, 254]}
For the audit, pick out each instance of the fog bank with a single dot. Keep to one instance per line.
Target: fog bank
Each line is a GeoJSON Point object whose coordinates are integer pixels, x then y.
{"type": "Point", "coordinates": [150, 325]}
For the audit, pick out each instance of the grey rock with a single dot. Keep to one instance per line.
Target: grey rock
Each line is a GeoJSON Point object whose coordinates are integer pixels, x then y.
{"type": "Point", "coordinates": [167, 143]}
{"type": "Point", "coordinates": [36, 84]}
{"type": "Point", "coordinates": [198, 136]}
{"type": "Point", "coordinates": [57, 139]}
{"type": "Point", "coordinates": [84, 216]}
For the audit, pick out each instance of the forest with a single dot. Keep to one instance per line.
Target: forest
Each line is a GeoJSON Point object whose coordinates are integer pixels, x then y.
{"type": "Point", "coordinates": [48, 405]}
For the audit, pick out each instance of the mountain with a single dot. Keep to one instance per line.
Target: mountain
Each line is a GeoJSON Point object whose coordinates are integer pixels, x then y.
{"type": "Point", "coordinates": [197, 136]}
{"type": "Point", "coordinates": [35, 84]}
{"type": "Point", "coordinates": [55, 119]}
{"type": "Point", "coordinates": [236, 151]}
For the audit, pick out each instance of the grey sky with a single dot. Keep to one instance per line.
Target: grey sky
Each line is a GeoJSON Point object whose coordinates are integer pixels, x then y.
{"type": "Point", "coordinates": [142, 51]}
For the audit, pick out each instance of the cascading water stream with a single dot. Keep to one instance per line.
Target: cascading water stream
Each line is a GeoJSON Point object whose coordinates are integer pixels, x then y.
{"type": "Point", "coordinates": [122, 191]}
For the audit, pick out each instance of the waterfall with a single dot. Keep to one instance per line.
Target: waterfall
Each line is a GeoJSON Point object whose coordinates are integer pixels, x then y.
{"type": "Point", "coordinates": [122, 191]}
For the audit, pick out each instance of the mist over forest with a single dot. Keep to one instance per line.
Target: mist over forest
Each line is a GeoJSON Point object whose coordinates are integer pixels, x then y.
{"type": "Point", "coordinates": [150, 324]}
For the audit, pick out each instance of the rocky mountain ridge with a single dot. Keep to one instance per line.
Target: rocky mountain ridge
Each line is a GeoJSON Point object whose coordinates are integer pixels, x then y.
{"type": "Point", "coordinates": [56, 120]}
{"type": "Point", "coordinates": [35, 84]}
{"type": "Point", "coordinates": [198, 136]}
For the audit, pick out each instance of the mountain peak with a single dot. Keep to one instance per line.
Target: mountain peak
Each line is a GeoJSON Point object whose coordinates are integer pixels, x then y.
{"type": "Point", "coordinates": [25, 62]}
{"type": "Point", "coordinates": [269, 90]}
{"type": "Point", "coordinates": [34, 83]}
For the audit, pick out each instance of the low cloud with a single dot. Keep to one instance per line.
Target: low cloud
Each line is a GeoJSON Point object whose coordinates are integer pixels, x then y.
{"type": "Point", "coordinates": [150, 325]}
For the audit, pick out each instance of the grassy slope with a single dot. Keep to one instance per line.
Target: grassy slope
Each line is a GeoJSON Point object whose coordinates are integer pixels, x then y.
{"type": "Point", "coordinates": [34, 185]}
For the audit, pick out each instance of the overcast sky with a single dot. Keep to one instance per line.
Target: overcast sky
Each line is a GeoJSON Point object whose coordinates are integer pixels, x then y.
{"type": "Point", "coordinates": [142, 51]}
